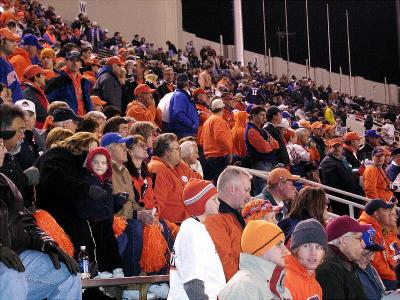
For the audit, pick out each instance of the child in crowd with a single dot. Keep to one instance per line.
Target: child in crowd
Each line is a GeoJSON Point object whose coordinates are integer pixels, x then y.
{"type": "Point", "coordinates": [99, 208]}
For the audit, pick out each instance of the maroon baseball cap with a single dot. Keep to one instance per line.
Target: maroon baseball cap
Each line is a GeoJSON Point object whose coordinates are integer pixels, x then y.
{"type": "Point", "coordinates": [342, 225]}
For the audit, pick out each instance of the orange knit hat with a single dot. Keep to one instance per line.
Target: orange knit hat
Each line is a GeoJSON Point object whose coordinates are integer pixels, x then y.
{"type": "Point", "coordinates": [259, 236]}
{"type": "Point", "coordinates": [195, 195]}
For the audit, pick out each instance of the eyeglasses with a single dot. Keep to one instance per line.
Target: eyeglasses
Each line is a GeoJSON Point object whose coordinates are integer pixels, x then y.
{"type": "Point", "coordinates": [357, 238]}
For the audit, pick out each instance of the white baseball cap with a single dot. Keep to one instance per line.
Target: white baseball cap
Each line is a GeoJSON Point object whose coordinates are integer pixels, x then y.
{"type": "Point", "coordinates": [26, 105]}
{"type": "Point", "coordinates": [216, 104]}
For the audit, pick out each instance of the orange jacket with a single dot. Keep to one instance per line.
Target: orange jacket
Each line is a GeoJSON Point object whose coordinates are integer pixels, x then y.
{"type": "Point", "coordinates": [91, 76]}
{"type": "Point", "coordinates": [204, 113]}
{"type": "Point", "coordinates": [168, 188]}
{"type": "Point", "coordinates": [258, 141]}
{"type": "Point", "coordinates": [380, 262]}
{"type": "Point", "coordinates": [239, 146]}
{"type": "Point", "coordinates": [228, 117]}
{"type": "Point", "coordinates": [226, 232]}
{"type": "Point", "coordinates": [20, 60]}
{"type": "Point", "coordinates": [392, 243]}
{"type": "Point", "coordinates": [376, 183]}
{"type": "Point", "coordinates": [140, 112]}
{"type": "Point", "coordinates": [49, 74]}
{"type": "Point", "coordinates": [300, 284]}
{"type": "Point", "coordinates": [217, 137]}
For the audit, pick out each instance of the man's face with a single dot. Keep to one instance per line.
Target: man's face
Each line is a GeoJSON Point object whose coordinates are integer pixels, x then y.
{"type": "Point", "coordinates": [353, 246]}
{"type": "Point", "coordinates": [317, 132]}
{"type": "Point", "coordinates": [173, 154]}
{"type": "Point", "coordinates": [355, 144]}
{"type": "Point", "coordinates": [116, 69]}
{"type": "Point", "coordinates": [276, 254]}
{"type": "Point", "coordinates": [310, 255]}
{"type": "Point", "coordinates": [30, 120]}
{"type": "Point", "coordinates": [287, 189]}
{"type": "Point", "coordinates": [118, 153]}
{"type": "Point", "coordinates": [137, 68]}
{"type": "Point", "coordinates": [169, 76]}
{"type": "Point", "coordinates": [32, 50]}
{"type": "Point", "coordinates": [123, 130]}
{"type": "Point", "coordinates": [73, 65]}
{"type": "Point", "coordinates": [374, 141]}
{"type": "Point", "coordinates": [260, 118]}
{"type": "Point", "coordinates": [378, 160]}
{"type": "Point", "coordinates": [241, 192]}
{"type": "Point", "coordinates": [194, 155]}
{"type": "Point", "coordinates": [277, 118]}
{"type": "Point", "coordinates": [8, 47]}
{"type": "Point", "coordinates": [18, 124]}
{"type": "Point", "coordinates": [47, 63]}
{"type": "Point", "coordinates": [71, 125]}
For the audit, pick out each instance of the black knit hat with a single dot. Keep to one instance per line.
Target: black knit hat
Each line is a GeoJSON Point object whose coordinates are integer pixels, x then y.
{"type": "Point", "coordinates": [308, 231]}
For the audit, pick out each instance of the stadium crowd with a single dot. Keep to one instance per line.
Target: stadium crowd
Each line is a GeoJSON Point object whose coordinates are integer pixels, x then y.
{"type": "Point", "coordinates": [137, 156]}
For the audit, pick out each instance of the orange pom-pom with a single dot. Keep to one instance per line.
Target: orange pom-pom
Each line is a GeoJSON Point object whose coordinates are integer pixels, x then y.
{"type": "Point", "coordinates": [49, 225]}
{"type": "Point", "coordinates": [119, 225]}
{"type": "Point", "coordinates": [173, 228]}
{"type": "Point", "coordinates": [155, 250]}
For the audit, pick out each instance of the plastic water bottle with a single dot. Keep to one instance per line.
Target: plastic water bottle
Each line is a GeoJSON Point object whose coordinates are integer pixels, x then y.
{"type": "Point", "coordinates": [83, 261]}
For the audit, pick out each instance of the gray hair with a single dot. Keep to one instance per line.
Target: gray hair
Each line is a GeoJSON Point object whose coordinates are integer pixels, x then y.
{"type": "Point", "coordinates": [162, 143]}
{"type": "Point", "coordinates": [301, 132]}
{"type": "Point", "coordinates": [187, 148]}
{"type": "Point", "coordinates": [96, 115]}
{"type": "Point", "coordinates": [229, 177]}
{"type": "Point", "coordinates": [336, 241]}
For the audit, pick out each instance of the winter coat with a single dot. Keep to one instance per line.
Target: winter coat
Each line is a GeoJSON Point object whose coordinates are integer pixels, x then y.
{"type": "Point", "coordinates": [61, 88]}
{"type": "Point", "coordinates": [281, 155]}
{"type": "Point", "coordinates": [255, 280]}
{"type": "Point", "coordinates": [392, 171]}
{"type": "Point", "coordinates": [9, 78]}
{"type": "Point", "coordinates": [204, 113]}
{"type": "Point", "coordinates": [337, 277]}
{"type": "Point", "coordinates": [108, 87]}
{"type": "Point", "coordinates": [376, 183]}
{"type": "Point", "coordinates": [225, 229]}
{"type": "Point", "coordinates": [350, 157]}
{"type": "Point", "coordinates": [17, 225]}
{"type": "Point", "coordinates": [184, 120]}
{"type": "Point", "coordinates": [37, 96]}
{"type": "Point", "coordinates": [20, 60]}
{"type": "Point", "coordinates": [239, 147]}
{"type": "Point", "coordinates": [29, 152]}
{"type": "Point", "coordinates": [380, 261]}
{"type": "Point", "coordinates": [365, 152]}
{"type": "Point", "coordinates": [371, 283]}
{"type": "Point", "coordinates": [297, 280]}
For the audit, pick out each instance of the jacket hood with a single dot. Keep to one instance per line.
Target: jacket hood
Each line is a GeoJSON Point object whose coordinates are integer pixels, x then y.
{"type": "Point", "coordinates": [104, 69]}
{"type": "Point", "coordinates": [20, 51]}
{"type": "Point", "coordinates": [367, 219]}
{"type": "Point", "coordinates": [99, 150]}
{"type": "Point", "coordinates": [292, 264]}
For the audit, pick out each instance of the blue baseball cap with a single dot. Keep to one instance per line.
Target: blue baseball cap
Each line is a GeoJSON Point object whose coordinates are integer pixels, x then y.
{"type": "Point", "coordinates": [286, 115]}
{"type": "Point", "coordinates": [30, 40]}
{"type": "Point", "coordinates": [115, 138]}
{"type": "Point", "coordinates": [369, 238]}
{"type": "Point", "coordinates": [372, 133]}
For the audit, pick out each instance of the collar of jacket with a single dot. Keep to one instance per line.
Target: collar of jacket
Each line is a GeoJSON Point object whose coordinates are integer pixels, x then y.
{"type": "Point", "coordinates": [339, 257]}
{"type": "Point", "coordinates": [226, 209]}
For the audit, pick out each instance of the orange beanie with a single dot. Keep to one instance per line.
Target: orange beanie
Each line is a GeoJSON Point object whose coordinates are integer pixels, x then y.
{"type": "Point", "coordinates": [195, 195]}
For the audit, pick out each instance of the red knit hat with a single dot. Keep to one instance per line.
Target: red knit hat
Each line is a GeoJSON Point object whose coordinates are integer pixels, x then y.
{"type": "Point", "coordinates": [195, 195]}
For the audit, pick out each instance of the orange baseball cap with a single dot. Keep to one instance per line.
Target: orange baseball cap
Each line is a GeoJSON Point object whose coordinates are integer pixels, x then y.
{"type": "Point", "coordinates": [335, 141]}
{"type": "Point", "coordinates": [198, 91]}
{"type": "Point", "coordinates": [96, 100]}
{"type": "Point", "coordinates": [328, 127]}
{"type": "Point", "coordinates": [351, 136]}
{"type": "Point", "coordinates": [279, 174]}
{"type": "Point", "coordinates": [316, 125]}
{"type": "Point", "coordinates": [32, 71]}
{"type": "Point", "coordinates": [143, 88]}
{"type": "Point", "coordinates": [8, 35]}
{"type": "Point", "coordinates": [114, 60]}
{"type": "Point", "coordinates": [304, 124]}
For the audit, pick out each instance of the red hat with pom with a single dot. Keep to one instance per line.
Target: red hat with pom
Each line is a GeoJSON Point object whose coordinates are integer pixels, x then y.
{"type": "Point", "coordinates": [195, 195]}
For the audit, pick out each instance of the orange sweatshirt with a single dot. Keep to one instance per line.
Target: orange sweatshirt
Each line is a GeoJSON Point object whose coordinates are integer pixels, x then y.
{"type": "Point", "coordinates": [141, 112]}
{"type": "Point", "coordinates": [376, 183]}
{"type": "Point", "coordinates": [168, 188]}
{"type": "Point", "coordinates": [20, 60]}
{"type": "Point", "coordinates": [392, 243]}
{"type": "Point", "coordinates": [204, 113]}
{"type": "Point", "coordinates": [228, 117]}
{"type": "Point", "coordinates": [380, 262]}
{"type": "Point", "coordinates": [239, 146]}
{"type": "Point", "coordinates": [258, 142]}
{"type": "Point", "coordinates": [300, 284]}
{"type": "Point", "coordinates": [217, 137]}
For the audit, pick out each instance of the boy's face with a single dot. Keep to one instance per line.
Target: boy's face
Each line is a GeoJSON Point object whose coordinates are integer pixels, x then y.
{"type": "Point", "coordinates": [99, 164]}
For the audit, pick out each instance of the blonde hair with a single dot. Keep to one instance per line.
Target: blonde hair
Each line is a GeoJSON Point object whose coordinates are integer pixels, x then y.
{"type": "Point", "coordinates": [79, 142]}
{"type": "Point", "coordinates": [57, 135]}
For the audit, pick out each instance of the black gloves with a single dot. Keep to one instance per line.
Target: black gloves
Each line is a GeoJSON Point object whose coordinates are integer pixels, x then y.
{"type": "Point", "coordinates": [11, 259]}
{"type": "Point", "coordinates": [123, 196]}
{"type": "Point", "coordinates": [96, 192]}
{"type": "Point", "coordinates": [57, 255]}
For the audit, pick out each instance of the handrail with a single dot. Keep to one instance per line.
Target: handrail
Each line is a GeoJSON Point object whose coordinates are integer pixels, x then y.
{"type": "Point", "coordinates": [349, 203]}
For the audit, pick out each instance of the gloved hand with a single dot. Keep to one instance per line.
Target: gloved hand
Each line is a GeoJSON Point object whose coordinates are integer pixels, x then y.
{"type": "Point", "coordinates": [57, 255]}
{"type": "Point", "coordinates": [96, 192]}
{"type": "Point", "coordinates": [11, 259]}
{"type": "Point", "coordinates": [33, 176]}
{"type": "Point", "coordinates": [123, 196]}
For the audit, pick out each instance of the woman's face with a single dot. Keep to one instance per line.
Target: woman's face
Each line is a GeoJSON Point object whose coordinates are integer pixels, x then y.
{"type": "Point", "coordinates": [310, 256]}
{"type": "Point", "coordinates": [138, 151]}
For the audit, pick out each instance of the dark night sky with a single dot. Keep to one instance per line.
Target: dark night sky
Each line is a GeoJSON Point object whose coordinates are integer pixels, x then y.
{"type": "Point", "coordinates": [373, 36]}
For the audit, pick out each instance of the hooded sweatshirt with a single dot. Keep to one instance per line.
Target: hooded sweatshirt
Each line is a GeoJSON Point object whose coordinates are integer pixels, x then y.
{"type": "Point", "coordinates": [20, 60]}
{"type": "Point", "coordinates": [239, 146]}
{"type": "Point", "coordinates": [300, 284]}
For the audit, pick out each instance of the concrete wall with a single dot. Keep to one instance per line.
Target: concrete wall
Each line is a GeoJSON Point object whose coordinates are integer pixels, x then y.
{"type": "Point", "coordinates": [161, 20]}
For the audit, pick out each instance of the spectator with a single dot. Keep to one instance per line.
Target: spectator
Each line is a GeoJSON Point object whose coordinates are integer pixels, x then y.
{"type": "Point", "coordinates": [377, 213]}
{"type": "Point", "coordinates": [217, 142]}
{"type": "Point", "coordinates": [260, 145]}
{"type": "Point", "coordinates": [26, 254]}
{"type": "Point", "coordinates": [239, 144]}
{"type": "Point", "coordinates": [371, 141]}
{"type": "Point", "coordinates": [70, 86]}
{"type": "Point", "coordinates": [107, 86]}
{"type": "Point", "coordinates": [143, 108]}
{"type": "Point", "coordinates": [196, 270]}
{"type": "Point", "coordinates": [172, 174]}
{"type": "Point", "coordinates": [49, 36]}
{"type": "Point", "coordinates": [65, 118]}
{"type": "Point", "coordinates": [329, 114]}
{"type": "Point", "coordinates": [47, 59]}
{"type": "Point", "coordinates": [99, 117]}
{"type": "Point", "coordinates": [8, 76]}
{"type": "Point", "coordinates": [393, 170]}
{"type": "Point", "coordinates": [56, 136]}
{"type": "Point", "coordinates": [190, 155]}
{"type": "Point", "coordinates": [226, 227]}
{"type": "Point", "coordinates": [274, 118]}
{"type": "Point", "coordinates": [280, 189]}
{"type": "Point", "coordinates": [376, 182]}
{"type": "Point", "coordinates": [168, 83]}
{"type": "Point", "coordinates": [337, 275]}
{"type": "Point", "coordinates": [308, 247]}
{"type": "Point", "coordinates": [298, 149]}
{"type": "Point", "coordinates": [112, 111]}
{"type": "Point", "coordinates": [316, 138]}
{"type": "Point", "coordinates": [184, 120]}
{"type": "Point", "coordinates": [33, 90]}
{"type": "Point", "coordinates": [310, 203]}
{"type": "Point", "coordinates": [203, 110]}
{"type": "Point", "coordinates": [263, 251]}
{"type": "Point", "coordinates": [350, 148]}
{"type": "Point", "coordinates": [171, 49]}
{"type": "Point", "coordinates": [148, 131]}
{"type": "Point", "coordinates": [90, 71]}
{"type": "Point", "coordinates": [260, 209]}
{"type": "Point", "coordinates": [205, 80]}
{"type": "Point", "coordinates": [369, 277]}
{"type": "Point", "coordinates": [25, 55]}
{"type": "Point", "coordinates": [118, 125]}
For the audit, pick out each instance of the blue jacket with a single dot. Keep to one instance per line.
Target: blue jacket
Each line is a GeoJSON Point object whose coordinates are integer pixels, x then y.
{"type": "Point", "coordinates": [371, 283]}
{"type": "Point", "coordinates": [392, 171]}
{"type": "Point", "coordinates": [10, 79]}
{"type": "Point", "coordinates": [61, 88]}
{"type": "Point", "coordinates": [184, 119]}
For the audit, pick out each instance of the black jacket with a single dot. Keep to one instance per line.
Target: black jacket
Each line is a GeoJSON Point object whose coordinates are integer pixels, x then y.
{"type": "Point", "coordinates": [320, 144]}
{"type": "Point", "coordinates": [365, 152]}
{"type": "Point", "coordinates": [128, 92]}
{"type": "Point", "coordinates": [351, 159]}
{"type": "Point", "coordinates": [18, 230]}
{"type": "Point", "coordinates": [162, 90]}
{"type": "Point", "coordinates": [281, 155]}
{"type": "Point", "coordinates": [338, 278]}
